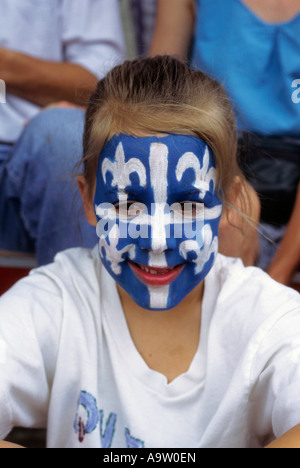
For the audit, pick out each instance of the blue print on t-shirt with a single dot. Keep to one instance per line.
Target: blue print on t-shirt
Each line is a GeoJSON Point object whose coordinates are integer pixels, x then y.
{"type": "Point", "coordinates": [132, 442]}
{"type": "Point", "coordinates": [108, 434]}
{"type": "Point", "coordinates": [87, 418]}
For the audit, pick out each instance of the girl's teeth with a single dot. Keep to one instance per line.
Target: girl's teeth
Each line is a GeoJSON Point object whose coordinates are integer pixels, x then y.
{"type": "Point", "coordinates": [154, 272]}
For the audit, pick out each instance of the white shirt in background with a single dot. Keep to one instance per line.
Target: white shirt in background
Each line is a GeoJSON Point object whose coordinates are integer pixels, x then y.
{"type": "Point", "coordinates": [85, 32]}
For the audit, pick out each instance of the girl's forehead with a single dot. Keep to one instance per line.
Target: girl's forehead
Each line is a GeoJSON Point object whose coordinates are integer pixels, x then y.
{"type": "Point", "coordinates": [161, 166]}
{"type": "Point", "coordinates": [140, 147]}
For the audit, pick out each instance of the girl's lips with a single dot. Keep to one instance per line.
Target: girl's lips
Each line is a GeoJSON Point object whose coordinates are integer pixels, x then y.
{"type": "Point", "coordinates": [153, 276]}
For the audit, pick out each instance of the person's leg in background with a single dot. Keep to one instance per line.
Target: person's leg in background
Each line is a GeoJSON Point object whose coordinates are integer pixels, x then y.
{"type": "Point", "coordinates": [143, 17]}
{"type": "Point", "coordinates": [13, 236]}
{"type": "Point", "coordinates": [41, 185]}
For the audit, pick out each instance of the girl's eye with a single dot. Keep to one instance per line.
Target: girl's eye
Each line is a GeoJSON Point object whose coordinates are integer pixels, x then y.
{"type": "Point", "coordinates": [188, 209]}
{"type": "Point", "coordinates": [129, 208]}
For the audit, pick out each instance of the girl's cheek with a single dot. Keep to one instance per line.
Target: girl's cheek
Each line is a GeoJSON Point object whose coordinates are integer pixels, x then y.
{"type": "Point", "coordinates": [199, 250]}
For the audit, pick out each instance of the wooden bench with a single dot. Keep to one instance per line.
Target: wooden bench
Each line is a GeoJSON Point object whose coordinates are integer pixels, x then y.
{"type": "Point", "coordinates": [14, 266]}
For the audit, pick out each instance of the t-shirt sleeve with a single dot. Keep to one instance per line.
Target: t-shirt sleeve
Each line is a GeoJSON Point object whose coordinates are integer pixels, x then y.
{"type": "Point", "coordinates": [30, 322]}
{"type": "Point", "coordinates": [92, 34]}
{"type": "Point", "coordinates": [275, 400]}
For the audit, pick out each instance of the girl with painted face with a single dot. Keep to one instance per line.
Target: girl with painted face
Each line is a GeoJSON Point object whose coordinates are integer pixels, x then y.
{"type": "Point", "coordinates": [157, 197]}
{"type": "Point", "coordinates": [158, 229]}
{"type": "Point", "coordinates": [153, 339]}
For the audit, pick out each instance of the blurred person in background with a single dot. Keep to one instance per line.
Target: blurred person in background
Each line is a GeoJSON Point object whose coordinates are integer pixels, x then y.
{"type": "Point", "coordinates": [49, 52]}
{"type": "Point", "coordinates": [252, 47]}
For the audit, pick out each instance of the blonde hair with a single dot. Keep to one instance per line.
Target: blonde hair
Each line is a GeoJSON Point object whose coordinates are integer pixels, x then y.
{"type": "Point", "coordinates": [162, 95]}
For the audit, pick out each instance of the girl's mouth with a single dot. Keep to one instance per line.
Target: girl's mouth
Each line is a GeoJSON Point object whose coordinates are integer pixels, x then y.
{"type": "Point", "coordinates": [153, 276]}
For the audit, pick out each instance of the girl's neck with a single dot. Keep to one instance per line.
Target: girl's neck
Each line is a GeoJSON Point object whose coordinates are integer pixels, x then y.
{"type": "Point", "coordinates": [166, 340]}
{"type": "Point", "coordinates": [274, 11]}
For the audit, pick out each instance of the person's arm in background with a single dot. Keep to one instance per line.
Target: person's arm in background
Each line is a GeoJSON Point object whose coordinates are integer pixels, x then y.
{"type": "Point", "coordinates": [287, 258]}
{"type": "Point", "coordinates": [174, 28]}
{"type": "Point", "coordinates": [92, 40]}
{"type": "Point", "coordinates": [42, 82]}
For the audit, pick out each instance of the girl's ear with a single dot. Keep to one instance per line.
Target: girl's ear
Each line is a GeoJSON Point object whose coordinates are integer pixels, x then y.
{"type": "Point", "coordinates": [231, 211]}
{"type": "Point", "coordinates": [87, 200]}
{"type": "Point", "coordinates": [244, 200]}
{"type": "Point", "coordinates": [238, 226]}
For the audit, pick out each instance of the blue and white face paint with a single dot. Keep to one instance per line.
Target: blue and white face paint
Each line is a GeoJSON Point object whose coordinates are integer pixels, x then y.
{"type": "Point", "coordinates": [158, 216]}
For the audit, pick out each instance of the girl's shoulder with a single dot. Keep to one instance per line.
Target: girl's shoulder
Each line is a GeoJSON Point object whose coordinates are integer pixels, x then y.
{"type": "Point", "coordinates": [72, 267]}
{"type": "Point", "coordinates": [233, 269]}
{"type": "Point", "coordinates": [250, 307]}
{"type": "Point", "coordinates": [61, 292]}
{"type": "Point", "coordinates": [73, 275]}
{"type": "Point", "coordinates": [251, 288]}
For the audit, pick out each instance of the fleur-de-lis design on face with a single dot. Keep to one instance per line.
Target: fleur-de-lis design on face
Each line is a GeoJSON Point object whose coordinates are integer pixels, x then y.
{"type": "Point", "coordinates": [113, 254]}
{"type": "Point", "coordinates": [202, 252]}
{"type": "Point", "coordinates": [203, 176]}
{"type": "Point", "coordinates": [121, 170]}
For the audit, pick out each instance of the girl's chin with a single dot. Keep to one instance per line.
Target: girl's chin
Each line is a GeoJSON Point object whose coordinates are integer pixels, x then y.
{"type": "Point", "coordinates": [157, 289]}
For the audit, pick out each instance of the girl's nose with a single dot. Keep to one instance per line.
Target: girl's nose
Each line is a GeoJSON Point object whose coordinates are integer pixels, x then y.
{"type": "Point", "coordinates": [158, 229]}
{"type": "Point", "coordinates": [153, 242]}
{"type": "Point", "coordinates": [160, 236]}
{"type": "Point", "coordinates": [155, 246]}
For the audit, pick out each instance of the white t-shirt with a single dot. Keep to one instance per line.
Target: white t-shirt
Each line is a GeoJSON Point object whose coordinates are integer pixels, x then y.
{"type": "Point", "coordinates": [86, 32]}
{"type": "Point", "coordinates": [67, 362]}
